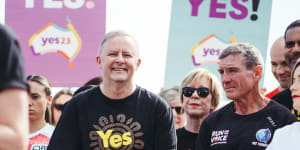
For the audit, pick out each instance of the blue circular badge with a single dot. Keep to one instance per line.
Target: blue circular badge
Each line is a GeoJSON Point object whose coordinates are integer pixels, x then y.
{"type": "Point", "coordinates": [263, 135]}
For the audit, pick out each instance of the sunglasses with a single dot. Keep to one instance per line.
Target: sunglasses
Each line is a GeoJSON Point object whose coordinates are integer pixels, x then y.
{"type": "Point", "coordinates": [178, 109]}
{"type": "Point", "coordinates": [59, 106]}
{"type": "Point", "coordinates": [291, 44]}
{"type": "Point", "coordinates": [202, 92]}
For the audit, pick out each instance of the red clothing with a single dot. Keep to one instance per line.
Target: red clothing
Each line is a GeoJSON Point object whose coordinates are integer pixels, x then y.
{"type": "Point", "coordinates": [272, 93]}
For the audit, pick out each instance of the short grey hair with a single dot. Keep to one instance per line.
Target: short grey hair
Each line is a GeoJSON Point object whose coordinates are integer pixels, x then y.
{"type": "Point", "coordinates": [170, 96]}
{"type": "Point", "coordinates": [251, 54]}
{"type": "Point", "coordinates": [111, 35]}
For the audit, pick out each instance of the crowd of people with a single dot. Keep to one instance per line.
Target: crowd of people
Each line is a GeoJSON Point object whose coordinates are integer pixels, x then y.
{"type": "Point", "coordinates": [112, 112]}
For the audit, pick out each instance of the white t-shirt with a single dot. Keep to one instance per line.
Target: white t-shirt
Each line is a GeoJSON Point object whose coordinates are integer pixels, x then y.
{"type": "Point", "coordinates": [39, 140]}
{"type": "Point", "coordinates": [286, 138]}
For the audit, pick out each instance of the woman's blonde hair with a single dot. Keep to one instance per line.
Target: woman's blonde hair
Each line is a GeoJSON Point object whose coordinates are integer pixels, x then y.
{"type": "Point", "coordinates": [215, 86]}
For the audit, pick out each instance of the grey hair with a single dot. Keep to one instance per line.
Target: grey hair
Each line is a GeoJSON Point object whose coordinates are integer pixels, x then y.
{"type": "Point", "coordinates": [168, 96]}
{"type": "Point", "coordinates": [111, 35]}
{"type": "Point", "coordinates": [251, 54]}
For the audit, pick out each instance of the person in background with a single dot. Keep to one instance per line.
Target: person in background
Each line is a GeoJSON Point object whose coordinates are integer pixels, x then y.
{"type": "Point", "coordinates": [280, 68]}
{"type": "Point", "coordinates": [14, 125]}
{"type": "Point", "coordinates": [89, 84]}
{"type": "Point", "coordinates": [288, 136]}
{"type": "Point", "coordinates": [171, 96]}
{"type": "Point", "coordinates": [94, 81]}
{"type": "Point", "coordinates": [40, 99]}
{"type": "Point", "coordinates": [249, 121]}
{"type": "Point", "coordinates": [117, 114]}
{"type": "Point", "coordinates": [200, 93]}
{"type": "Point", "coordinates": [58, 102]}
{"type": "Point", "coordinates": [292, 53]}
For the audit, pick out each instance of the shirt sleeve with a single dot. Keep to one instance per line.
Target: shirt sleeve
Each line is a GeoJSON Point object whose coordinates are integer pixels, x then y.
{"type": "Point", "coordinates": [11, 61]}
{"type": "Point", "coordinates": [165, 134]}
{"type": "Point", "coordinates": [66, 135]}
{"type": "Point", "coordinates": [203, 138]}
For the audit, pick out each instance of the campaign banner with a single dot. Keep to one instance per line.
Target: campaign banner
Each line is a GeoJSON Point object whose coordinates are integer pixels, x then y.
{"type": "Point", "coordinates": [201, 29]}
{"type": "Point", "coordinates": [59, 38]}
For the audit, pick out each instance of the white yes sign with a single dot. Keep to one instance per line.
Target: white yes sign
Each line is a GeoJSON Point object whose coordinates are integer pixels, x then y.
{"type": "Point", "coordinates": [57, 4]}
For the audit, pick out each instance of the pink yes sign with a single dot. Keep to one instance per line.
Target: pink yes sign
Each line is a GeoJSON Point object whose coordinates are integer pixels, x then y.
{"type": "Point", "coordinates": [59, 38]}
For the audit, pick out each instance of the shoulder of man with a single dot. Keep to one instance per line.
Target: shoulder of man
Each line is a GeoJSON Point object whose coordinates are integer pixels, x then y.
{"type": "Point", "coordinates": [147, 95]}
{"type": "Point", "coordinates": [11, 61]}
{"type": "Point", "coordinates": [283, 94]}
{"type": "Point", "coordinates": [83, 96]}
{"type": "Point", "coordinates": [284, 98]}
{"type": "Point", "coordinates": [282, 114]}
{"type": "Point", "coordinates": [220, 113]}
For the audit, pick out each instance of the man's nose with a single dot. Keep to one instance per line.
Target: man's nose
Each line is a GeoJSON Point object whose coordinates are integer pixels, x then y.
{"type": "Point", "coordinates": [296, 47]}
{"type": "Point", "coordinates": [120, 58]}
{"type": "Point", "coordinates": [225, 78]}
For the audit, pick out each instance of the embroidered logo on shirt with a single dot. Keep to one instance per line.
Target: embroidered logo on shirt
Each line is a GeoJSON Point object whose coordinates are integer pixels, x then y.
{"type": "Point", "coordinates": [219, 137]}
{"type": "Point", "coordinates": [262, 137]}
{"type": "Point", "coordinates": [118, 133]}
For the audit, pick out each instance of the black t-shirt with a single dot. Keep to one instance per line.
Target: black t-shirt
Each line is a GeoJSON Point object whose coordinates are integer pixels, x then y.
{"type": "Point", "coordinates": [11, 61]}
{"type": "Point", "coordinates": [285, 98]}
{"type": "Point", "coordinates": [93, 121]}
{"type": "Point", "coordinates": [226, 130]}
{"type": "Point", "coordinates": [185, 140]}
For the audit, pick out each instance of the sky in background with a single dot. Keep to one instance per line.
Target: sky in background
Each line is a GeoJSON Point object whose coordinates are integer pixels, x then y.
{"type": "Point", "coordinates": [148, 21]}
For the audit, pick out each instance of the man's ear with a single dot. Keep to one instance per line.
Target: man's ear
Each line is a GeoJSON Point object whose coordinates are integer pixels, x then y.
{"type": "Point", "coordinates": [258, 71]}
{"type": "Point", "coordinates": [49, 100]}
{"type": "Point", "coordinates": [98, 59]}
{"type": "Point", "coordinates": [139, 63]}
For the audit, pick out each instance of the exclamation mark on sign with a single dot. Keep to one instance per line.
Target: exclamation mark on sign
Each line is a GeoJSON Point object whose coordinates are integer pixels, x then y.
{"type": "Point", "coordinates": [254, 7]}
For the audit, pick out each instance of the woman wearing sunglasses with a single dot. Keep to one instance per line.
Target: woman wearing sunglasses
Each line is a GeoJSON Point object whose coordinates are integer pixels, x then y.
{"type": "Point", "coordinates": [40, 99]}
{"type": "Point", "coordinates": [200, 94]}
{"type": "Point", "coordinates": [288, 136]}
{"type": "Point", "coordinates": [58, 102]}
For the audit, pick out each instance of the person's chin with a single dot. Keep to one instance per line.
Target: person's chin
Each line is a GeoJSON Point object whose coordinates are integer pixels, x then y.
{"type": "Point", "coordinates": [230, 95]}
{"type": "Point", "coordinates": [119, 79]}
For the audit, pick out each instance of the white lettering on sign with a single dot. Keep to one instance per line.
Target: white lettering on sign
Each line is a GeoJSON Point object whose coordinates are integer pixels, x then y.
{"type": "Point", "coordinates": [57, 3]}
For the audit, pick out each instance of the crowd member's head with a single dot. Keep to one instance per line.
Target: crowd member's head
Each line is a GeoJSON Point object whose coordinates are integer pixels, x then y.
{"type": "Point", "coordinates": [292, 42]}
{"type": "Point", "coordinates": [58, 102]}
{"type": "Point", "coordinates": [241, 68]}
{"type": "Point", "coordinates": [118, 65]}
{"type": "Point", "coordinates": [94, 81]}
{"type": "Point", "coordinates": [280, 68]}
{"type": "Point", "coordinates": [200, 93]}
{"type": "Point", "coordinates": [89, 84]}
{"type": "Point", "coordinates": [295, 87]}
{"type": "Point", "coordinates": [40, 99]}
{"type": "Point", "coordinates": [172, 97]}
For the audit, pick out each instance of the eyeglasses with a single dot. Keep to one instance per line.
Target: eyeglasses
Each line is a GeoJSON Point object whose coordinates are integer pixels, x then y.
{"type": "Point", "coordinates": [291, 44]}
{"type": "Point", "coordinates": [202, 92]}
{"type": "Point", "coordinates": [178, 109]}
{"type": "Point", "coordinates": [59, 106]}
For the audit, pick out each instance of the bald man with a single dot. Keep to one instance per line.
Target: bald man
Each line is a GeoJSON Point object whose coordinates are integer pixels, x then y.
{"type": "Point", "coordinates": [280, 68]}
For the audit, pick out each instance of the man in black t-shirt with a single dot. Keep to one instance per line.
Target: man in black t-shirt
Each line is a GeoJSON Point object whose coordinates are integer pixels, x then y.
{"type": "Point", "coordinates": [117, 114]}
{"type": "Point", "coordinates": [13, 94]}
{"type": "Point", "coordinates": [247, 123]}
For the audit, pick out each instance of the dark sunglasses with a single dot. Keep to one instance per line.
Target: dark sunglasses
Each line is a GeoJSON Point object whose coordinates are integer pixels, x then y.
{"type": "Point", "coordinates": [291, 44]}
{"type": "Point", "coordinates": [188, 91]}
{"type": "Point", "coordinates": [59, 106]}
{"type": "Point", "coordinates": [178, 110]}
